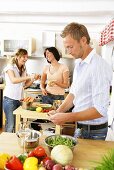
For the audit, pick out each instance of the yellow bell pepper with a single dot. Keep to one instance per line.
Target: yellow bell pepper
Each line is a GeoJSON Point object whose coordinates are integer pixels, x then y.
{"type": "Point", "coordinates": [4, 157]}
{"type": "Point", "coordinates": [31, 163]}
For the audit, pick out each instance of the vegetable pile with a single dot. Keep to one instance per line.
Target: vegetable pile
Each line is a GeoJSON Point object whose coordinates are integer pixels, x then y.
{"type": "Point", "coordinates": [59, 140]}
{"type": "Point", "coordinates": [37, 159]}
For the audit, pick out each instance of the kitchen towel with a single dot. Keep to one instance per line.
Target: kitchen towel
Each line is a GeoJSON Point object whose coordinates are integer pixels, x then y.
{"type": "Point", "coordinates": [107, 34]}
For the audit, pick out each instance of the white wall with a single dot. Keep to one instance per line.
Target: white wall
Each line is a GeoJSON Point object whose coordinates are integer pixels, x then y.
{"type": "Point", "coordinates": [29, 18]}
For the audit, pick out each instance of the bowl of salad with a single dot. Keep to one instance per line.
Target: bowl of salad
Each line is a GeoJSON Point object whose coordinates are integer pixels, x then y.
{"type": "Point", "coordinates": [54, 140]}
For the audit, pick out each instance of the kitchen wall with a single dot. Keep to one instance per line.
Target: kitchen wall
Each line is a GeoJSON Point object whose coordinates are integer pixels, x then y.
{"type": "Point", "coordinates": [30, 18]}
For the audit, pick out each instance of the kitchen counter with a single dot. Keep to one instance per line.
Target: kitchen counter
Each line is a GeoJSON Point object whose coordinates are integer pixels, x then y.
{"type": "Point", "coordinates": [85, 153]}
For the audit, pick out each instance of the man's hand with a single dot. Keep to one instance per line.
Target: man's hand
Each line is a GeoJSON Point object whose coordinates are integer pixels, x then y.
{"type": "Point", "coordinates": [52, 112]}
{"type": "Point", "coordinates": [58, 118]}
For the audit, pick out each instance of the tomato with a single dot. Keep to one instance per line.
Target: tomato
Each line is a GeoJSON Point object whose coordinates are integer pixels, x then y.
{"type": "Point", "coordinates": [46, 158]}
{"type": "Point", "coordinates": [14, 164]}
{"type": "Point", "coordinates": [39, 151]}
{"type": "Point", "coordinates": [31, 154]}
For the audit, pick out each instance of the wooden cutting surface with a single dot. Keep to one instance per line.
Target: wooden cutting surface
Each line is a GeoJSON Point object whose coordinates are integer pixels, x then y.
{"type": "Point", "coordinates": [27, 114]}
{"type": "Point", "coordinates": [85, 153]}
{"type": "Point", "coordinates": [30, 114]}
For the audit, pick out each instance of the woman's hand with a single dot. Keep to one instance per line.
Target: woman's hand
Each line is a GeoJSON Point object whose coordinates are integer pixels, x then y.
{"type": "Point", "coordinates": [37, 76]}
{"type": "Point", "coordinates": [51, 83]}
{"type": "Point", "coordinates": [44, 91]}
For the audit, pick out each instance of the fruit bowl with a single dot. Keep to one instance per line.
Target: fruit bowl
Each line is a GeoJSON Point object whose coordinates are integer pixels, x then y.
{"type": "Point", "coordinates": [54, 140]}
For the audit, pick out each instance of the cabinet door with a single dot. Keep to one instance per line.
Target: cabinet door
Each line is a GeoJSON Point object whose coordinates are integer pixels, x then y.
{"type": "Point", "coordinates": [10, 46]}
{"type": "Point", "coordinates": [48, 39]}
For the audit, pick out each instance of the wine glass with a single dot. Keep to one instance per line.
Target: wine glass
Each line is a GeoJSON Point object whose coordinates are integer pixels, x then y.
{"type": "Point", "coordinates": [23, 133]}
{"type": "Point", "coordinates": [56, 104]}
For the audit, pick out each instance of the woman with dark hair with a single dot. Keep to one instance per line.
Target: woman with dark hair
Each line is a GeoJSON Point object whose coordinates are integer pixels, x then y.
{"type": "Point", "coordinates": [55, 77]}
{"type": "Point", "coordinates": [16, 80]}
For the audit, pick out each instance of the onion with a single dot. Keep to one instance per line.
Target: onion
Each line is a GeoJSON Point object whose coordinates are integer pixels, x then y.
{"type": "Point", "coordinates": [69, 167]}
{"type": "Point", "coordinates": [57, 167]}
{"type": "Point", "coordinates": [49, 164]}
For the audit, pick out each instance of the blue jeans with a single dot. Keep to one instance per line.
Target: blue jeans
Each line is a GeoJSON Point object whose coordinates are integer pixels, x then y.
{"type": "Point", "coordinates": [49, 99]}
{"type": "Point", "coordinates": [99, 134]}
{"type": "Point", "coordinates": [9, 105]}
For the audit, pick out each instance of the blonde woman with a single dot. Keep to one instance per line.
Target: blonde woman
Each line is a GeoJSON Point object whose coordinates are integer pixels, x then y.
{"type": "Point", "coordinates": [16, 79]}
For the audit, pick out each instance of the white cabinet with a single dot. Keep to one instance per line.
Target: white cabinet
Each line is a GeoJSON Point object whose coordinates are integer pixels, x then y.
{"type": "Point", "coordinates": [10, 46]}
{"type": "Point", "coordinates": [48, 39]}
{"type": "Point", "coordinates": [60, 46]}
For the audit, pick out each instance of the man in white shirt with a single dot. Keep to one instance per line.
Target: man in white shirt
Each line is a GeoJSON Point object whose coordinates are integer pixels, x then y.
{"type": "Point", "coordinates": [89, 93]}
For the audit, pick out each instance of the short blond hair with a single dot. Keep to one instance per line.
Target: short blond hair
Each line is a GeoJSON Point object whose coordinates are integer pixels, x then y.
{"type": "Point", "coordinates": [76, 31]}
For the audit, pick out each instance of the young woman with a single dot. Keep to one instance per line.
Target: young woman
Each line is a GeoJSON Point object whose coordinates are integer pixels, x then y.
{"type": "Point", "coordinates": [16, 80]}
{"type": "Point", "coordinates": [55, 75]}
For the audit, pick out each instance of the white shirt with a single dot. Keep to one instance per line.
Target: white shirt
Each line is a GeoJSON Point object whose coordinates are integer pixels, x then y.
{"type": "Point", "coordinates": [13, 91]}
{"type": "Point", "coordinates": [91, 82]}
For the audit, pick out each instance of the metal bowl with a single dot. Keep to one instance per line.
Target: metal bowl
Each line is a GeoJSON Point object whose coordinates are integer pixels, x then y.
{"type": "Point", "coordinates": [30, 142]}
{"type": "Point", "coordinates": [53, 137]}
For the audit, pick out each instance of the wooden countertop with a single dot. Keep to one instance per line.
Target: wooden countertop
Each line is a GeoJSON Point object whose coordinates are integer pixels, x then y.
{"type": "Point", "coordinates": [2, 86]}
{"type": "Point", "coordinates": [85, 153]}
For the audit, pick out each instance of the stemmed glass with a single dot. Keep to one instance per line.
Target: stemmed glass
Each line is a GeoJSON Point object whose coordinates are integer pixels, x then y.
{"type": "Point", "coordinates": [56, 104]}
{"type": "Point", "coordinates": [24, 132]}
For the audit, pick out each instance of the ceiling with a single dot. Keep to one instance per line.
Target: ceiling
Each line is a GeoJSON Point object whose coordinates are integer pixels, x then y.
{"type": "Point", "coordinates": [57, 12]}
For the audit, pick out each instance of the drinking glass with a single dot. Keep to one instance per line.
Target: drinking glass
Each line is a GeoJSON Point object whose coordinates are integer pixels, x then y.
{"type": "Point", "coordinates": [24, 132]}
{"type": "Point", "coordinates": [56, 104]}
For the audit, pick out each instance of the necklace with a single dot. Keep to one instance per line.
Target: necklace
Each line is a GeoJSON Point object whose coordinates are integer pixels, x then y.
{"type": "Point", "coordinates": [53, 70]}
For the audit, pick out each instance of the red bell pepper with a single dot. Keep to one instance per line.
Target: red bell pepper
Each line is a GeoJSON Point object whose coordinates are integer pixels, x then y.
{"type": "Point", "coordinates": [14, 164]}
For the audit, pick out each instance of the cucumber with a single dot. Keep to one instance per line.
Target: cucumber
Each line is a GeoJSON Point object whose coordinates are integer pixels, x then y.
{"type": "Point", "coordinates": [32, 108]}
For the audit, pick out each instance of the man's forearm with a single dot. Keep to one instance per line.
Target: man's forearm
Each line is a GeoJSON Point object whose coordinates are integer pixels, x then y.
{"type": "Point", "coordinates": [67, 104]}
{"type": "Point", "coordinates": [88, 114]}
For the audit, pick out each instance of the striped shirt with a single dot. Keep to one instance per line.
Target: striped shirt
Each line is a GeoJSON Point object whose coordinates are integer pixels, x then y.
{"type": "Point", "coordinates": [91, 82]}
